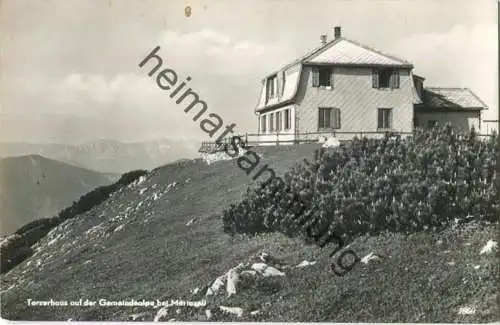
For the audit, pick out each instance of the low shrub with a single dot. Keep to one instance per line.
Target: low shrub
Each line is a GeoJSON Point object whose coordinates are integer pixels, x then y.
{"type": "Point", "coordinates": [369, 185]}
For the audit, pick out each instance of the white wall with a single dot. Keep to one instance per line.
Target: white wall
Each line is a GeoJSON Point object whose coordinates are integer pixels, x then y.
{"type": "Point", "coordinates": [358, 102]}
{"type": "Point", "coordinates": [461, 121]}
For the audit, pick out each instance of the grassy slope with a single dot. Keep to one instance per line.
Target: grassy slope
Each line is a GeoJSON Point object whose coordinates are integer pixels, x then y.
{"type": "Point", "coordinates": [34, 187]}
{"type": "Point", "coordinates": [156, 256]}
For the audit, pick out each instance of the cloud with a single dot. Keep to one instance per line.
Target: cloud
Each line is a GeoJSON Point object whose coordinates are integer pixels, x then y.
{"type": "Point", "coordinates": [122, 88]}
{"type": "Point", "coordinates": [461, 57]}
{"type": "Point", "coordinates": [214, 52]}
{"type": "Point", "coordinates": [222, 69]}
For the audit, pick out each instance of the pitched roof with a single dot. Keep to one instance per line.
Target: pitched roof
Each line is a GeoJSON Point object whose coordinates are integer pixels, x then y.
{"type": "Point", "coordinates": [455, 98]}
{"type": "Point", "coordinates": [339, 51]}
{"type": "Point", "coordinates": [344, 51]}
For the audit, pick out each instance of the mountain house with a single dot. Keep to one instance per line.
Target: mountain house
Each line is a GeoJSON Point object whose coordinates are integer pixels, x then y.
{"type": "Point", "coordinates": [346, 88]}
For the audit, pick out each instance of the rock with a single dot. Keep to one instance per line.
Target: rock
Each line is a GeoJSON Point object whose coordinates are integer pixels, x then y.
{"type": "Point", "coordinates": [305, 263]}
{"type": "Point", "coordinates": [120, 227]}
{"type": "Point", "coordinates": [259, 267]}
{"type": "Point", "coordinates": [266, 270]}
{"type": "Point", "coordinates": [139, 316]}
{"type": "Point", "coordinates": [369, 257]}
{"type": "Point", "coordinates": [233, 278]}
{"type": "Point", "coordinates": [216, 285]}
{"type": "Point", "coordinates": [331, 142]}
{"type": "Point", "coordinates": [271, 260]}
{"type": "Point", "coordinates": [249, 273]}
{"type": "Point", "coordinates": [488, 248]}
{"type": "Point", "coordinates": [162, 313]}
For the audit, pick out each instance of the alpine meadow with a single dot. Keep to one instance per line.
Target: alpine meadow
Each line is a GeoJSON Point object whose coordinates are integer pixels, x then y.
{"type": "Point", "coordinates": [226, 161]}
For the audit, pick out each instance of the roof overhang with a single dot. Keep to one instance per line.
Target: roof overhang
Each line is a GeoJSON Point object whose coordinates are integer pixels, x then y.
{"type": "Point", "coordinates": [275, 106]}
{"type": "Point", "coordinates": [358, 65]}
{"type": "Point", "coordinates": [421, 108]}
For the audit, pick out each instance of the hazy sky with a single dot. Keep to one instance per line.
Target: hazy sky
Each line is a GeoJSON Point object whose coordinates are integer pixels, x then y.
{"type": "Point", "coordinates": [69, 68]}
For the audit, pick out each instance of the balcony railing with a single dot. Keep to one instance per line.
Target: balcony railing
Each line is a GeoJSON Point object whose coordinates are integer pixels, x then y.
{"type": "Point", "coordinates": [271, 139]}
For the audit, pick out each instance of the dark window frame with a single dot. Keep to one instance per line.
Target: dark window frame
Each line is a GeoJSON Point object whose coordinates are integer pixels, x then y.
{"type": "Point", "coordinates": [271, 87]}
{"type": "Point", "coordinates": [288, 119]}
{"type": "Point", "coordinates": [386, 78]}
{"type": "Point", "coordinates": [322, 76]}
{"type": "Point", "coordinates": [384, 122]}
{"type": "Point", "coordinates": [329, 118]}
{"type": "Point", "coordinates": [263, 123]}
{"type": "Point", "coordinates": [279, 125]}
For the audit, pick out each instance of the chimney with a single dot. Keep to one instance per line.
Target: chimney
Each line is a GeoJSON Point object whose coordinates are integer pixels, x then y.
{"type": "Point", "coordinates": [337, 32]}
{"type": "Point", "coordinates": [323, 39]}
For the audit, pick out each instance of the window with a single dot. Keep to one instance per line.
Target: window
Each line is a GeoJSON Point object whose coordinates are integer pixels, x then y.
{"type": "Point", "coordinates": [288, 119]}
{"type": "Point", "coordinates": [384, 118]}
{"type": "Point", "coordinates": [385, 78]}
{"type": "Point", "coordinates": [322, 77]}
{"type": "Point", "coordinates": [431, 123]}
{"type": "Point", "coordinates": [278, 121]}
{"type": "Point", "coordinates": [263, 125]}
{"type": "Point", "coordinates": [271, 87]}
{"type": "Point", "coordinates": [329, 118]}
{"type": "Point", "coordinates": [271, 122]}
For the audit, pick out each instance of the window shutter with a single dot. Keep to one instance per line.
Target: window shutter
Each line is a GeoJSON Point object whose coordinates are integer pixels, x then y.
{"type": "Point", "coordinates": [278, 85]}
{"type": "Point", "coordinates": [336, 118]}
{"type": "Point", "coordinates": [282, 84]}
{"type": "Point", "coordinates": [395, 79]}
{"type": "Point", "coordinates": [374, 78]}
{"type": "Point", "coordinates": [315, 77]}
{"type": "Point", "coordinates": [380, 120]}
{"type": "Point", "coordinates": [267, 90]}
{"type": "Point", "coordinates": [332, 78]}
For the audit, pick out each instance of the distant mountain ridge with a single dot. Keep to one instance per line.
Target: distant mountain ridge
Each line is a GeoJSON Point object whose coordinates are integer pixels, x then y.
{"type": "Point", "coordinates": [33, 187]}
{"type": "Point", "coordinates": [108, 156]}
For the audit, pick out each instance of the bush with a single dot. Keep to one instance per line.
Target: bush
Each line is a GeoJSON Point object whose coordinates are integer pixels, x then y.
{"type": "Point", "coordinates": [33, 224]}
{"type": "Point", "coordinates": [366, 186]}
{"type": "Point", "coordinates": [130, 177]}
